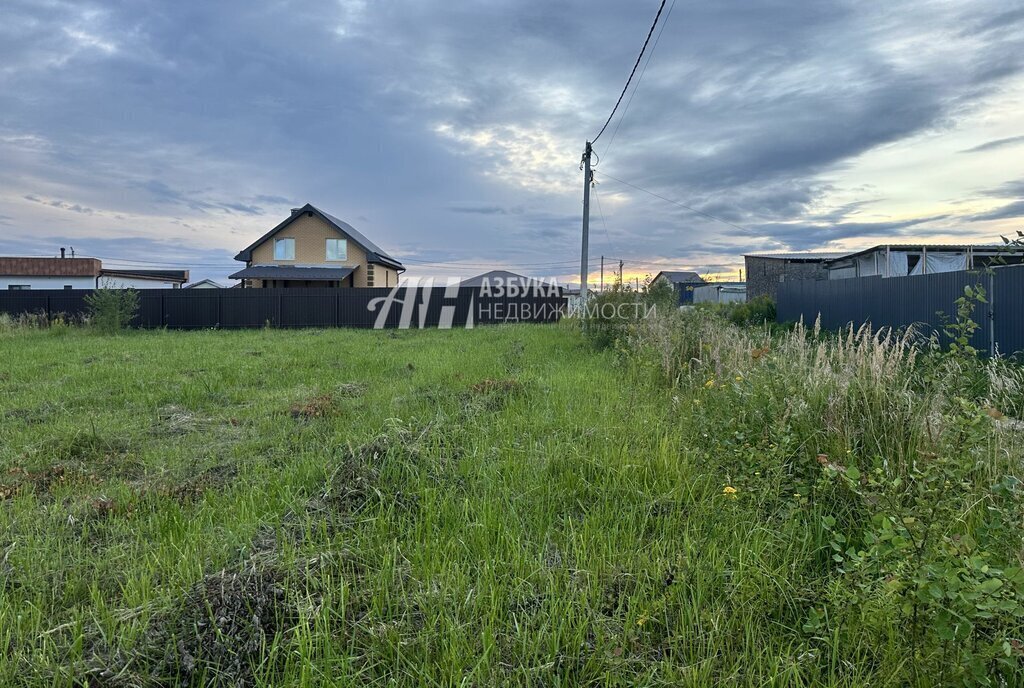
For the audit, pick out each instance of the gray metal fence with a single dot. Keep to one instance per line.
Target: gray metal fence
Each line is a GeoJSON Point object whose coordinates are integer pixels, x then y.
{"type": "Point", "coordinates": [925, 301]}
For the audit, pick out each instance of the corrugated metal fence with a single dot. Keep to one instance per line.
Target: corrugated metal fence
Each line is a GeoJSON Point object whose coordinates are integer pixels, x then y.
{"type": "Point", "coordinates": [921, 300]}
{"type": "Point", "coordinates": [360, 307]}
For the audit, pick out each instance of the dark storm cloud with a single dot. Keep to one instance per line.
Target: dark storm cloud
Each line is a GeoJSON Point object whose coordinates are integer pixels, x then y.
{"type": "Point", "coordinates": [1008, 211]}
{"type": "Point", "coordinates": [485, 210]}
{"type": "Point", "coordinates": [1014, 209]}
{"type": "Point", "coordinates": [804, 236]}
{"type": "Point", "coordinates": [454, 129]}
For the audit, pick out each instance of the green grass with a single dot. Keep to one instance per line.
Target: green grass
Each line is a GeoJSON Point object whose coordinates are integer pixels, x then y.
{"type": "Point", "coordinates": [503, 505]}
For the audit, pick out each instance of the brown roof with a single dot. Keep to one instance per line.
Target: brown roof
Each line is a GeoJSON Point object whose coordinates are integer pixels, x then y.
{"type": "Point", "coordinates": [50, 267]}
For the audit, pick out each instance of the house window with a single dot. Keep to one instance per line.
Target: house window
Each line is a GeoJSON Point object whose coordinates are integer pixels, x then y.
{"type": "Point", "coordinates": [68, 286]}
{"type": "Point", "coordinates": [369, 275]}
{"type": "Point", "coordinates": [284, 249]}
{"type": "Point", "coordinates": [18, 287]}
{"type": "Point", "coordinates": [337, 249]}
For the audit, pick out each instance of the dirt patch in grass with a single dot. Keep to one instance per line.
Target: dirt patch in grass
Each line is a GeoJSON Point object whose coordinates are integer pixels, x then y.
{"type": "Point", "coordinates": [86, 447]}
{"type": "Point", "coordinates": [193, 488]}
{"type": "Point", "coordinates": [358, 481]}
{"type": "Point", "coordinates": [218, 634]}
{"type": "Point", "coordinates": [317, 406]}
{"type": "Point", "coordinates": [223, 630]}
{"type": "Point", "coordinates": [45, 480]}
{"type": "Point", "coordinates": [224, 626]}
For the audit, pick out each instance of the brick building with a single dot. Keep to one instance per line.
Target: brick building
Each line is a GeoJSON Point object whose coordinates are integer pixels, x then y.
{"type": "Point", "coordinates": [765, 270]}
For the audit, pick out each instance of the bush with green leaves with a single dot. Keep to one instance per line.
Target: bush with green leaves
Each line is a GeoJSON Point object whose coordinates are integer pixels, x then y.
{"type": "Point", "coordinates": [613, 314]}
{"type": "Point", "coordinates": [758, 311]}
{"type": "Point", "coordinates": [112, 310]}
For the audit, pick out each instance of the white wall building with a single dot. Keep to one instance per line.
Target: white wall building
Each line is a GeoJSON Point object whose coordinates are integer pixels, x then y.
{"type": "Point", "coordinates": [21, 273]}
{"type": "Point", "coordinates": [901, 260]}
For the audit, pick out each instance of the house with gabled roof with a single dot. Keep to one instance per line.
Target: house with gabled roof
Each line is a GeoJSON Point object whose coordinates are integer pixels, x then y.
{"type": "Point", "coordinates": [683, 281]}
{"type": "Point", "coordinates": [314, 249]}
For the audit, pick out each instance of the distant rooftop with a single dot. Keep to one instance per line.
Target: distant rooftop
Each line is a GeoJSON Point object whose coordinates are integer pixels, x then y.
{"type": "Point", "coordinates": [800, 255]}
{"type": "Point", "coordinates": [680, 276]}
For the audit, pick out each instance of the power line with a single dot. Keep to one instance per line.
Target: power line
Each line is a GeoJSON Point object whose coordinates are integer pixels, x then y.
{"type": "Point", "coordinates": [491, 266]}
{"type": "Point", "coordinates": [456, 263]}
{"type": "Point", "coordinates": [601, 213]}
{"type": "Point", "coordinates": [635, 65]}
{"type": "Point", "coordinates": [682, 205]}
{"type": "Point", "coordinates": [640, 78]}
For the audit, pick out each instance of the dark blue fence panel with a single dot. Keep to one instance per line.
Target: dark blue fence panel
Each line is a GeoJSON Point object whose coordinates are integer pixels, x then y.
{"type": "Point", "coordinates": [927, 302]}
{"type": "Point", "coordinates": [315, 307]}
{"type": "Point", "coordinates": [1007, 306]}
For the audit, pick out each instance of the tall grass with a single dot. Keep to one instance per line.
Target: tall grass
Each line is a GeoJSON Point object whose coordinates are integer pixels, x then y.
{"type": "Point", "coordinates": [901, 461]}
{"type": "Point", "coordinates": [506, 506]}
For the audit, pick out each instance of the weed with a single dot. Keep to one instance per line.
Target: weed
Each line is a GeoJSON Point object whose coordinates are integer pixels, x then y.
{"type": "Point", "coordinates": [112, 310]}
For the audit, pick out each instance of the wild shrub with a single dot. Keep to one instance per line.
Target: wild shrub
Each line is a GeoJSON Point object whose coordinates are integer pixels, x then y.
{"type": "Point", "coordinates": [755, 312]}
{"type": "Point", "coordinates": [112, 310]}
{"type": "Point", "coordinates": [902, 457]}
{"type": "Point", "coordinates": [613, 314]}
{"type": "Point", "coordinates": [34, 321]}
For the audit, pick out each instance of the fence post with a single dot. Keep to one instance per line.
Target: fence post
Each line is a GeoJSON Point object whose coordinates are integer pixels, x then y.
{"type": "Point", "coordinates": [991, 313]}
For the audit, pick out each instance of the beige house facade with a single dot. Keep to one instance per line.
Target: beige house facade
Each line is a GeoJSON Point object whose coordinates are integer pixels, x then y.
{"type": "Point", "coordinates": [314, 249]}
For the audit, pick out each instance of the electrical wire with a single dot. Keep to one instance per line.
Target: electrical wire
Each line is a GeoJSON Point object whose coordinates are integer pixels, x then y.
{"type": "Point", "coordinates": [635, 65]}
{"type": "Point", "coordinates": [457, 263]}
{"type": "Point", "coordinates": [128, 262]}
{"type": "Point", "coordinates": [640, 78]}
{"type": "Point", "coordinates": [683, 205]}
{"type": "Point", "coordinates": [121, 263]}
{"type": "Point", "coordinates": [600, 212]}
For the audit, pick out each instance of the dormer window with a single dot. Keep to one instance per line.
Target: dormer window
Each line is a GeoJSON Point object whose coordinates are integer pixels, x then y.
{"type": "Point", "coordinates": [337, 249]}
{"type": "Point", "coordinates": [284, 249]}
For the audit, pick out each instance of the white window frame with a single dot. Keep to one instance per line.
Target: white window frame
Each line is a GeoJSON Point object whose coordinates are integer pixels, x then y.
{"type": "Point", "coordinates": [284, 241]}
{"type": "Point", "coordinates": [343, 256]}
{"type": "Point", "coordinates": [19, 287]}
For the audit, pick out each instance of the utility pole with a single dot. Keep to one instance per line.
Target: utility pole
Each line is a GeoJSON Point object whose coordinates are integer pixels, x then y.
{"type": "Point", "coordinates": [620, 273]}
{"type": "Point", "coordinates": [584, 257]}
{"type": "Point", "coordinates": [602, 273]}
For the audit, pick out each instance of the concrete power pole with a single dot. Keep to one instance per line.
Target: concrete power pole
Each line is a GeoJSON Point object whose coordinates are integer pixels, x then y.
{"type": "Point", "coordinates": [620, 273]}
{"type": "Point", "coordinates": [584, 257]}
{"type": "Point", "coordinates": [602, 273]}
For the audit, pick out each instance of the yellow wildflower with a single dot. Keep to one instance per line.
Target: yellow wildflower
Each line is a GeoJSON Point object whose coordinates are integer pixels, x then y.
{"type": "Point", "coordinates": [642, 620]}
{"type": "Point", "coordinates": [710, 383]}
{"type": "Point", "coordinates": [729, 491]}
{"type": "Point", "coordinates": [739, 378]}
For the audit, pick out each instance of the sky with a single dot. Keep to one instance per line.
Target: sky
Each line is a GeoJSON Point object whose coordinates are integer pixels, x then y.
{"type": "Point", "coordinates": [161, 134]}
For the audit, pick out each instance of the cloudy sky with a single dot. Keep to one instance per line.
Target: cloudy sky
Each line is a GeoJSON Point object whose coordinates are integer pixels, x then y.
{"type": "Point", "coordinates": [451, 132]}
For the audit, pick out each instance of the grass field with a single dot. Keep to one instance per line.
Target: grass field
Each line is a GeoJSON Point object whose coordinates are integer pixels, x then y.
{"type": "Point", "coordinates": [505, 505]}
